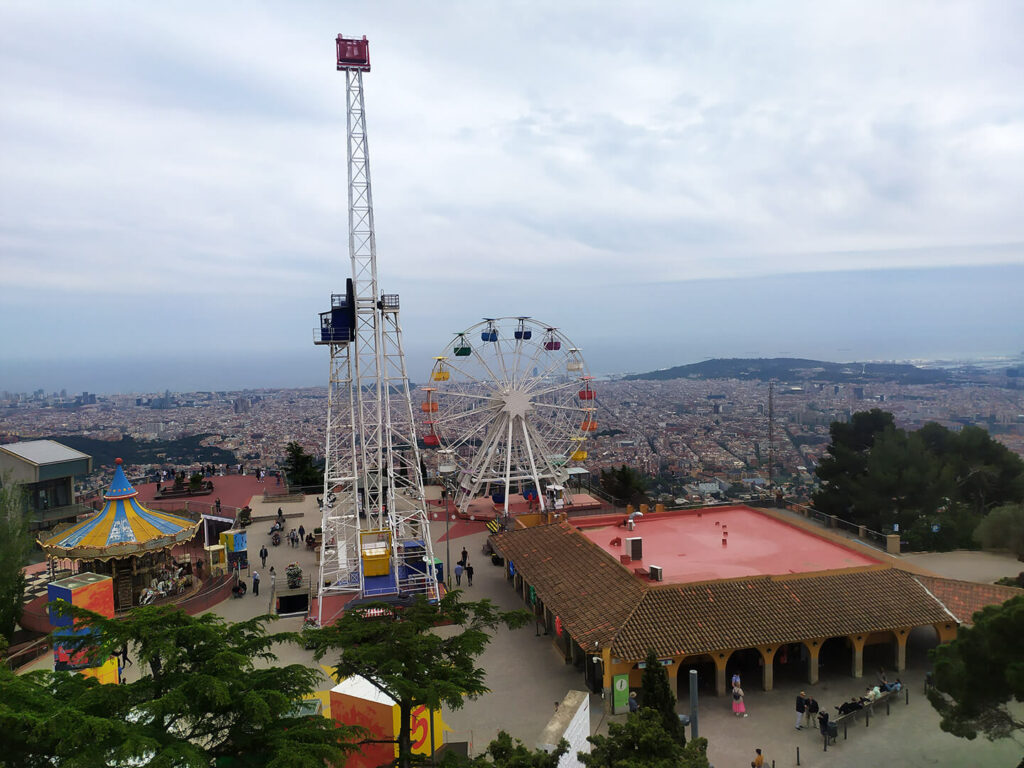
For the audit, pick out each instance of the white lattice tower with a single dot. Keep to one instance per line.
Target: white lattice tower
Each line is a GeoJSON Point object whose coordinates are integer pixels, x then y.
{"type": "Point", "coordinates": [372, 480]}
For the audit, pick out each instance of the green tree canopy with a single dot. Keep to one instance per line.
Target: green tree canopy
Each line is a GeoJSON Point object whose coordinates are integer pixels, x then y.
{"type": "Point", "coordinates": [506, 752]}
{"type": "Point", "coordinates": [656, 694]}
{"type": "Point", "coordinates": [406, 654]}
{"type": "Point", "coordinates": [642, 742]}
{"type": "Point", "coordinates": [15, 546]}
{"type": "Point", "coordinates": [1003, 527]}
{"type": "Point", "coordinates": [209, 690]}
{"type": "Point", "coordinates": [299, 467]}
{"type": "Point", "coordinates": [934, 484]}
{"type": "Point", "coordinates": [979, 672]}
{"type": "Point", "coordinates": [624, 484]}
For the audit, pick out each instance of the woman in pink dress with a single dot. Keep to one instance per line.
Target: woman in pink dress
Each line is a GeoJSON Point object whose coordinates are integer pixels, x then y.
{"type": "Point", "coordinates": [738, 708]}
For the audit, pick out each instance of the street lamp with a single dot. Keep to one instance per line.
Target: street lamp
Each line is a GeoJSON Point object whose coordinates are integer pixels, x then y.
{"type": "Point", "coordinates": [446, 471]}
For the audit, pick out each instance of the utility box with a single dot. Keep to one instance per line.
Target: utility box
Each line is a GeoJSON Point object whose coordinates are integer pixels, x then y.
{"type": "Point", "coordinates": [635, 547]}
{"type": "Point", "coordinates": [657, 574]}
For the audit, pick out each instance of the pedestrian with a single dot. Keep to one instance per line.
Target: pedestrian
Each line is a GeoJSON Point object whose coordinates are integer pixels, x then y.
{"type": "Point", "coordinates": [735, 679]}
{"type": "Point", "coordinates": [634, 705]}
{"type": "Point", "coordinates": [263, 556]}
{"type": "Point", "coordinates": [458, 574]}
{"type": "Point", "coordinates": [758, 761]}
{"type": "Point", "coordinates": [812, 710]}
{"type": "Point", "coordinates": [469, 575]}
{"type": "Point", "coordinates": [218, 506]}
{"type": "Point", "coordinates": [738, 708]}
{"type": "Point", "coordinates": [255, 582]}
{"type": "Point", "coordinates": [302, 532]}
{"type": "Point", "coordinates": [465, 556]}
{"type": "Point", "coordinates": [801, 708]}
{"type": "Point", "coordinates": [124, 656]}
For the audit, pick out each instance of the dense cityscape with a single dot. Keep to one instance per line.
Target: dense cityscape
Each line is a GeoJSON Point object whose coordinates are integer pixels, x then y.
{"type": "Point", "coordinates": [692, 438]}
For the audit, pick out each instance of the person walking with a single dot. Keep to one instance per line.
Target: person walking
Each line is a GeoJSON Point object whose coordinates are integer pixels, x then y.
{"type": "Point", "coordinates": [302, 532]}
{"type": "Point", "coordinates": [255, 582]}
{"type": "Point", "coordinates": [465, 556]}
{"type": "Point", "coordinates": [738, 707]}
{"type": "Point", "coordinates": [801, 708]}
{"type": "Point", "coordinates": [634, 705]}
{"type": "Point", "coordinates": [735, 679]}
{"type": "Point", "coordinates": [458, 574]}
{"type": "Point", "coordinates": [758, 761]}
{"type": "Point", "coordinates": [263, 556]}
{"type": "Point", "coordinates": [469, 575]}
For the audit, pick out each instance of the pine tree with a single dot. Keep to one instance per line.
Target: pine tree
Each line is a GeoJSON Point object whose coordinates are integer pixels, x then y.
{"type": "Point", "coordinates": [656, 694]}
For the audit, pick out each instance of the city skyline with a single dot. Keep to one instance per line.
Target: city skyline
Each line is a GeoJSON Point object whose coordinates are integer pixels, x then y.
{"type": "Point", "coordinates": [665, 184]}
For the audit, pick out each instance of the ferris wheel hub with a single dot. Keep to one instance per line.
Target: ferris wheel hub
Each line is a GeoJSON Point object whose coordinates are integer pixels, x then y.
{"type": "Point", "coordinates": [516, 403]}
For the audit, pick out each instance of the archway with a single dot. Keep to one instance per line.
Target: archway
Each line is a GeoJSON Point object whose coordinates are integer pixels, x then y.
{"type": "Point", "coordinates": [834, 657]}
{"type": "Point", "coordinates": [705, 667]}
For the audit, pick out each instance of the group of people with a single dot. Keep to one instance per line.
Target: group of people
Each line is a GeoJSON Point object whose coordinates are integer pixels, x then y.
{"type": "Point", "coordinates": [464, 567]}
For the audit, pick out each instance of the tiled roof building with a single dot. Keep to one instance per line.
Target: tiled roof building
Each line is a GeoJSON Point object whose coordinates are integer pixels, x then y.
{"type": "Point", "coordinates": [599, 608]}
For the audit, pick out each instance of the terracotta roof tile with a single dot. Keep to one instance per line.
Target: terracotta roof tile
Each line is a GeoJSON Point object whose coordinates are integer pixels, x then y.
{"type": "Point", "coordinates": [697, 618]}
{"type": "Point", "coordinates": [597, 599]}
{"type": "Point", "coordinates": [578, 581]}
{"type": "Point", "coordinates": [965, 598]}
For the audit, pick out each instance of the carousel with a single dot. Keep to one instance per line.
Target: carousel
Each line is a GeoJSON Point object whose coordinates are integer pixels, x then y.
{"type": "Point", "coordinates": [129, 543]}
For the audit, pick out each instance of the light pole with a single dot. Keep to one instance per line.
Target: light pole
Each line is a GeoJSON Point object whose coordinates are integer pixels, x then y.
{"type": "Point", "coordinates": [446, 471]}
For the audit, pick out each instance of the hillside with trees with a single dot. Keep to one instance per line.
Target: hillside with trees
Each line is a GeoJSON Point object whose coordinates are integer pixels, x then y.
{"type": "Point", "coordinates": [184, 450]}
{"type": "Point", "coordinates": [797, 369]}
{"type": "Point", "coordinates": [936, 485]}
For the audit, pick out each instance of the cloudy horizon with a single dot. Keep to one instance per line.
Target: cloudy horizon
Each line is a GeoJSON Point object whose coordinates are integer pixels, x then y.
{"type": "Point", "coordinates": [665, 183]}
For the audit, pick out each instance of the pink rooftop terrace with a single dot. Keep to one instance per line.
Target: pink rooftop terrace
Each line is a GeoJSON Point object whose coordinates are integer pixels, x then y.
{"type": "Point", "coordinates": [688, 544]}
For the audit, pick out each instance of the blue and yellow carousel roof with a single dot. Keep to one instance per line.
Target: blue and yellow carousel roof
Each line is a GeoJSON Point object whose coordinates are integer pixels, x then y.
{"type": "Point", "coordinates": [123, 528]}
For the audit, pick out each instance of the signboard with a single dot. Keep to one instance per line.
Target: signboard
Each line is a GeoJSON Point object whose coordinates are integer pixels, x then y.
{"type": "Point", "coordinates": [620, 694]}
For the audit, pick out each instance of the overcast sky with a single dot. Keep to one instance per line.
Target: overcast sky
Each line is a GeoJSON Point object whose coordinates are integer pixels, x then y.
{"type": "Point", "coordinates": [665, 181]}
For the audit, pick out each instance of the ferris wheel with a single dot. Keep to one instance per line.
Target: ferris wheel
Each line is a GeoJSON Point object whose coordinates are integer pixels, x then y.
{"type": "Point", "coordinates": [509, 406]}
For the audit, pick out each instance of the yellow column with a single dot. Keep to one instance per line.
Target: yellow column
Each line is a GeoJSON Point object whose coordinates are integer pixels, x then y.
{"type": "Point", "coordinates": [857, 643]}
{"type": "Point", "coordinates": [721, 658]}
{"type": "Point", "coordinates": [901, 648]}
{"type": "Point", "coordinates": [813, 653]}
{"type": "Point", "coordinates": [767, 670]}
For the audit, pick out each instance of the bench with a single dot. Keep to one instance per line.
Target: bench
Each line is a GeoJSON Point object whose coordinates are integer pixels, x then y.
{"type": "Point", "coordinates": [868, 710]}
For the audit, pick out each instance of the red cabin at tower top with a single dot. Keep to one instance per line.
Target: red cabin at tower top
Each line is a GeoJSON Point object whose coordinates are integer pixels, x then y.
{"type": "Point", "coordinates": [353, 54]}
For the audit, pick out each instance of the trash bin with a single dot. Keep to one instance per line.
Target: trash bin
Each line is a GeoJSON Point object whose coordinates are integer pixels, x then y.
{"type": "Point", "coordinates": [833, 730]}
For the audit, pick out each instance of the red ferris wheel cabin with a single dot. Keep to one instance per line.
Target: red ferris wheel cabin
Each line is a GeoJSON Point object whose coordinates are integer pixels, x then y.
{"type": "Point", "coordinates": [353, 54]}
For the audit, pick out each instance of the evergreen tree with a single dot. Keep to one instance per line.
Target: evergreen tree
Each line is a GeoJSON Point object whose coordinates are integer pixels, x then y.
{"type": "Point", "coordinates": [209, 690]}
{"type": "Point", "coordinates": [398, 652]}
{"type": "Point", "coordinates": [15, 546]}
{"type": "Point", "coordinates": [656, 694]}
{"type": "Point", "coordinates": [980, 672]}
{"type": "Point", "coordinates": [299, 467]}
{"type": "Point", "coordinates": [642, 742]}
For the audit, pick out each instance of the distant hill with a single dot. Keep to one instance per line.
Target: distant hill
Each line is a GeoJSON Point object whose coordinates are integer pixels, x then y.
{"type": "Point", "coordinates": [797, 369]}
{"type": "Point", "coordinates": [186, 450]}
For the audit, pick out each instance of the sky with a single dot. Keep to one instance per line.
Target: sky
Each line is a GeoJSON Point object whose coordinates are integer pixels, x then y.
{"type": "Point", "coordinates": [663, 181]}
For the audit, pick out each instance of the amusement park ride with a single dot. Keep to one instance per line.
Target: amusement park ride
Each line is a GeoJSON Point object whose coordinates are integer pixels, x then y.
{"type": "Point", "coordinates": [508, 413]}
{"type": "Point", "coordinates": [509, 405]}
{"type": "Point", "coordinates": [376, 538]}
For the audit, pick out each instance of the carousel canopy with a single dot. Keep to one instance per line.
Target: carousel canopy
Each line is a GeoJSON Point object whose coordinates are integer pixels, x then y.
{"type": "Point", "coordinates": [123, 528]}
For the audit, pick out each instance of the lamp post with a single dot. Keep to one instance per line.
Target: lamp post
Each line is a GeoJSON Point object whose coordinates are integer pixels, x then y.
{"type": "Point", "coordinates": [446, 471]}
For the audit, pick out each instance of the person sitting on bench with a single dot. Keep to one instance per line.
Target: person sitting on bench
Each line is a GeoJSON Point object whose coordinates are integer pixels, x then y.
{"type": "Point", "coordinates": [850, 706]}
